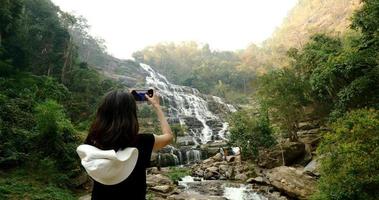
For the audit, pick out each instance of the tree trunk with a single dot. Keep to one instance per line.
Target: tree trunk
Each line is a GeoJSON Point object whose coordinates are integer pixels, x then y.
{"type": "Point", "coordinates": [49, 70]}
{"type": "Point", "coordinates": [66, 60]}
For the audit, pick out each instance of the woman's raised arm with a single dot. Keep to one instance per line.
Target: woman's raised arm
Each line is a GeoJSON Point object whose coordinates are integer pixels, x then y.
{"type": "Point", "coordinates": [166, 137]}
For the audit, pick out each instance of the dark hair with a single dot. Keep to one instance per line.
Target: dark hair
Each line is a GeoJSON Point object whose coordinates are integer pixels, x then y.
{"type": "Point", "coordinates": [116, 124]}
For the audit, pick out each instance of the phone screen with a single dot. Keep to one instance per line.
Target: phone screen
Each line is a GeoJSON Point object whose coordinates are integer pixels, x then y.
{"type": "Point", "coordinates": [139, 95]}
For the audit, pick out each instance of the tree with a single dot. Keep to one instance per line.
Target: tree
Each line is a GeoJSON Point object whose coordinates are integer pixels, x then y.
{"type": "Point", "coordinates": [251, 133]}
{"type": "Point", "coordinates": [350, 158]}
{"type": "Point", "coordinates": [284, 93]}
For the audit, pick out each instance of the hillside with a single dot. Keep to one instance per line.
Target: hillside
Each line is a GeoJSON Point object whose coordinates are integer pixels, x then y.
{"type": "Point", "coordinates": [313, 16]}
{"type": "Point", "coordinates": [308, 17]}
{"type": "Point", "coordinates": [93, 51]}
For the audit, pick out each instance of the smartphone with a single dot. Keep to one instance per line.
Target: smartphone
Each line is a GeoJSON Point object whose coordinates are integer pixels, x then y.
{"type": "Point", "coordinates": [139, 95]}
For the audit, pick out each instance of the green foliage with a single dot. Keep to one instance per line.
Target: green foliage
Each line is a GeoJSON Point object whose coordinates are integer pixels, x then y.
{"type": "Point", "coordinates": [251, 132]}
{"type": "Point", "coordinates": [284, 93]}
{"type": "Point", "coordinates": [341, 74]}
{"type": "Point", "coordinates": [177, 130]}
{"type": "Point", "coordinates": [20, 93]}
{"type": "Point", "coordinates": [22, 184]}
{"type": "Point", "coordinates": [350, 158]}
{"type": "Point", "coordinates": [176, 173]}
{"type": "Point", "coordinates": [87, 86]}
{"type": "Point", "coordinates": [366, 20]}
{"type": "Point", "coordinates": [145, 111]}
{"type": "Point", "coordinates": [56, 136]}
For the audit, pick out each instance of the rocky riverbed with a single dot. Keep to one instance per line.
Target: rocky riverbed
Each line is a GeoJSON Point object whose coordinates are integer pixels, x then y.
{"type": "Point", "coordinates": [287, 171]}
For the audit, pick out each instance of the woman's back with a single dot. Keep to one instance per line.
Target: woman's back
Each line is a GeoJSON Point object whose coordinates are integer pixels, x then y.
{"type": "Point", "coordinates": [114, 154]}
{"type": "Point", "coordinates": [134, 187]}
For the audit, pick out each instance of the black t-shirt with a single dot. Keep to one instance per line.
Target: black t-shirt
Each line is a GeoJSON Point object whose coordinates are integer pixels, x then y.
{"type": "Point", "coordinates": [134, 187]}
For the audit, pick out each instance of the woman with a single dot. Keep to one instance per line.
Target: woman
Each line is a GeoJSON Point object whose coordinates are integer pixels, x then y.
{"type": "Point", "coordinates": [115, 155]}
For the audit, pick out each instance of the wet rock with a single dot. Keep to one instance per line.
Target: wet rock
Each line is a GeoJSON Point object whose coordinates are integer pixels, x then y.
{"type": "Point", "coordinates": [185, 141]}
{"type": "Point", "coordinates": [292, 181]}
{"type": "Point", "coordinates": [197, 179]}
{"type": "Point", "coordinates": [162, 188]}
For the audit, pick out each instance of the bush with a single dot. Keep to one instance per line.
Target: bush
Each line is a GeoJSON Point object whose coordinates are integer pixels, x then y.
{"type": "Point", "coordinates": [56, 136]}
{"type": "Point", "coordinates": [350, 158]}
{"type": "Point", "coordinates": [176, 173]}
{"type": "Point", "coordinates": [250, 132]}
{"type": "Point", "coordinates": [24, 184]}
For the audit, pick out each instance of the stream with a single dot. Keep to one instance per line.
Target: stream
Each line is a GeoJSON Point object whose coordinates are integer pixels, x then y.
{"type": "Point", "coordinates": [228, 190]}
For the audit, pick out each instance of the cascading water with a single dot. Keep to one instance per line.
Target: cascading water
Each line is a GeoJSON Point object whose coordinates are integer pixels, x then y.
{"type": "Point", "coordinates": [188, 107]}
{"type": "Point", "coordinates": [186, 103]}
{"type": "Point", "coordinates": [193, 155]}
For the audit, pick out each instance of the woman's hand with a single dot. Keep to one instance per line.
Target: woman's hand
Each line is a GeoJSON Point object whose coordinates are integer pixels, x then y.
{"type": "Point", "coordinates": [154, 100]}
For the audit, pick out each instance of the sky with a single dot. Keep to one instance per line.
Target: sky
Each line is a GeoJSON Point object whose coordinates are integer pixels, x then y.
{"type": "Point", "coordinates": [131, 25]}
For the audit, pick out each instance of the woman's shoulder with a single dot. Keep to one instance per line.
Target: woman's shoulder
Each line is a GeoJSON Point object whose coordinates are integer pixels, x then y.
{"type": "Point", "coordinates": [145, 138]}
{"type": "Point", "coordinates": [145, 135]}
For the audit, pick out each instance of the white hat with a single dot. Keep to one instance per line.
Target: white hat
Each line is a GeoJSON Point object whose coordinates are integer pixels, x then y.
{"type": "Point", "coordinates": [107, 166]}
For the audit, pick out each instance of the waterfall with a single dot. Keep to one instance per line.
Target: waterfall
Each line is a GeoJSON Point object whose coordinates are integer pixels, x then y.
{"type": "Point", "coordinates": [193, 155]}
{"type": "Point", "coordinates": [223, 131]}
{"type": "Point", "coordinates": [185, 103]}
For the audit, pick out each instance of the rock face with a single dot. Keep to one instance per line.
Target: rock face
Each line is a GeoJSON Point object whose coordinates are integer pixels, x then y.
{"type": "Point", "coordinates": [290, 152]}
{"type": "Point", "coordinates": [292, 181]}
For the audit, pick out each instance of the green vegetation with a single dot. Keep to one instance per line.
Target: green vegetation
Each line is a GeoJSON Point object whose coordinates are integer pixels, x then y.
{"type": "Point", "coordinates": [47, 96]}
{"type": "Point", "coordinates": [50, 86]}
{"type": "Point", "coordinates": [29, 184]}
{"type": "Point", "coordinates": [251, 132]}
{"type": "Point", "coordinates": [335, 80]}
{"type": "Point", "coordinates": [351, 158]}
{"type": "Point", "coordinates": [176, 173]}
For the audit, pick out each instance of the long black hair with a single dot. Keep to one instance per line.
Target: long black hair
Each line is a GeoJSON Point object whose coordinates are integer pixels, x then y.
{"type": "Point", "coordinates": [116, 124]}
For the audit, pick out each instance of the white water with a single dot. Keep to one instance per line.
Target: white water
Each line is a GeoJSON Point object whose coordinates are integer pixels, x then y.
{"type": "Point", "coordinates": [222, 133]}
{"type": "Point", "coordinates": [186, 102]}
{"type": "Point", "coordinates": [231, 193]}
{"type": "Point", "coordinates": [241, 193]}
{"type": "Point", "coordinates": [193, 155]}
{"type": "Point", "coordinates": [185, 180]}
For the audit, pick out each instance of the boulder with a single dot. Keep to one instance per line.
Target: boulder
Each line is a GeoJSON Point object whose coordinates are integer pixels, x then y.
{"type": "Point", "coordinates": [312, 168]}
{"type": "Point", "coordinates": [162, 188]}
{"type": "Point", "coordinates": [291, 152]}
{"type": "Point", "coordinates": [218, 157]}
{"type": "Point", "coordinates": [292, 181]}
{"type": "Point", "coordinates": [153, 180]}
{"type": "Point", "coordinates": [241, 177]}
{"type": "Point", "coordinates": [211, 173]}
{"type": "Point", "coordinates": [258, 180]}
